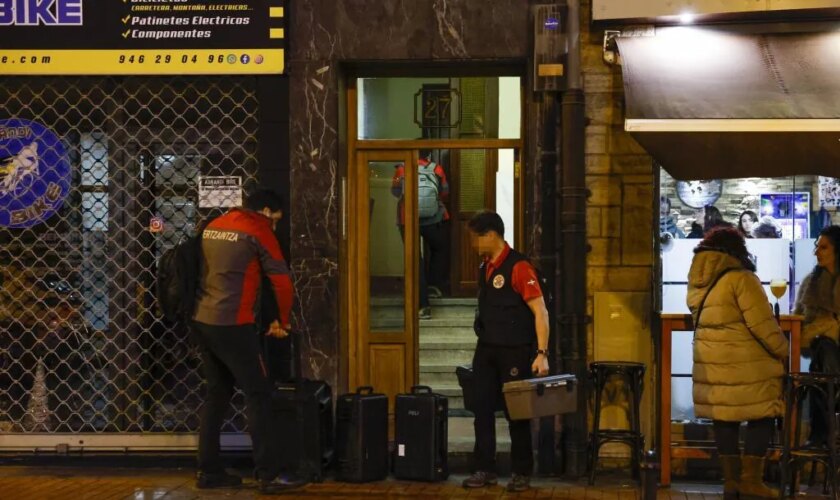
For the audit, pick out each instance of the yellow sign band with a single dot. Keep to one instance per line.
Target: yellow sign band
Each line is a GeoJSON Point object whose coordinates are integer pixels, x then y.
{"type": "Point", "coordinates": [142, 62]}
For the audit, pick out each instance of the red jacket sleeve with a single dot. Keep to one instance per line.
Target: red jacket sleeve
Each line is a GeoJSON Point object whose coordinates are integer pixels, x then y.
{"type": "Point", "coordinates": [274, 266]}
{"type": "Point", "coordinates": [525, 281]}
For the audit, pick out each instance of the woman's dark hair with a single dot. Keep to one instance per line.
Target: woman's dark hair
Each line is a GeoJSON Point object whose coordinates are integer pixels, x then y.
{"type": "Point", "coordinates": [748, 213]}
{"type": "Point", "coordinates": [262, 198]}
{"type": "Point", "coordinates": [832, 234]}
{"type": "Point", "coordinates": [728, 240]}
{"type": "Point", "coordinates": [712, 218]}
{"type": "Point", "coordinates": [486, 221]}
{"type": "Point", "coordinates": [767, 228]}
{"type": "Point", "coordinates": [665, 199]}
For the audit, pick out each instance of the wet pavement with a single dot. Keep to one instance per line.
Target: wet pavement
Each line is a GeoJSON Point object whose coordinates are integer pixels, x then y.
{"type": "Point", "coordinates": [76, 483]}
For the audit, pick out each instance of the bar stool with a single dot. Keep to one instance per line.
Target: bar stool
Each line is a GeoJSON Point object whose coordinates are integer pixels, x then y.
{"type": "Point", "coordinates": [633, 374]}
{"type": "Point", "coordinates": [797, 387]}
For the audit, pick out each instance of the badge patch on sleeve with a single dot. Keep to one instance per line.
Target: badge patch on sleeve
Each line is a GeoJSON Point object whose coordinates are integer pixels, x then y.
{"type": "Point", "coordinates": [498, 281]}
{"type": "Point", "coordinates": [514, 371]}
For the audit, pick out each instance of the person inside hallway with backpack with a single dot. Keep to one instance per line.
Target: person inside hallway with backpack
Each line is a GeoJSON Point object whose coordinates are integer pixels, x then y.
{"type": "Point", "coordinates": [432, 195]}
{"type": "Point", "coordinates": [512, 328]}
{"type": "Point", "coordinates": [236, 249]}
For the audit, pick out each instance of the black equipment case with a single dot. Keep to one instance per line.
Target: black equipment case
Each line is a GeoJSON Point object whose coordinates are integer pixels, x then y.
{"type": "Point", "coordinates": [361, 446]}
{"type": "Point", "coordinates": [304, 425]}
{"type": "Point", "coordinates": [421, 435]}
{"type": "Point", "coordinates": [466, 379]}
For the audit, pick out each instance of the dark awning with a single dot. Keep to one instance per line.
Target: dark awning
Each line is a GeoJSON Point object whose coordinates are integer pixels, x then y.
{"type": "Point", "coordinates": [710, 104]}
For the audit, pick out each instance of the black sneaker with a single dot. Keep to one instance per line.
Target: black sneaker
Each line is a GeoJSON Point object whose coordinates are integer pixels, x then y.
{"type": "Point", "coordinates": [280, 484]}
{"type": "Point", "coordinates": [434, 292]}
{"type": "Point", "coordinates": [519, 483]}
{"type": "Point", "coordinates": [425, 313]}
{"type": "Point", "coordinates": [207, 480]}
{"type": "Point", "coordinates": [480, 479]}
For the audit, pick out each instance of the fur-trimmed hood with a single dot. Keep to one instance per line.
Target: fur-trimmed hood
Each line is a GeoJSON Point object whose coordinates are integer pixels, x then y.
{"type": "Point", "coordinates": [818, 301]}
{"type": "Point", "coordinates": [821, 290]}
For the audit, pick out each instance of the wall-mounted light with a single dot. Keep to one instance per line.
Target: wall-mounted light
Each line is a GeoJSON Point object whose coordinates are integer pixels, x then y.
{"type": "Point", "coordinates": [686, 18]}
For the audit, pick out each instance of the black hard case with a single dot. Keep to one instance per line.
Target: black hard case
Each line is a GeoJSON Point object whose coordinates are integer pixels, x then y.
{"type": "Point", "coordinates": [466, 379]}
{"type": "Point", "coordinates": [362, 436]}
{"type": "Point", "coordinates": [421, 435]}
{"type": "Point", "coordinates": [304, 423]}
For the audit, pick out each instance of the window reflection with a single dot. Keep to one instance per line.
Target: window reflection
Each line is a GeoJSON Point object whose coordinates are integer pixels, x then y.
{"type": "Point", "coordinates": [439, 108]}
{"type": "Point", "coordinates": [779, 217]}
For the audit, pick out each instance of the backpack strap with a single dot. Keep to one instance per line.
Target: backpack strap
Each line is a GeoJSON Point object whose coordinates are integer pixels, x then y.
{"type": "Point", "coordinates": [703, 302]}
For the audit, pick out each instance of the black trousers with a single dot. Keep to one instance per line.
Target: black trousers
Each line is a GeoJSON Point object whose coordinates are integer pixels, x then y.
{"type": "Point", "coordinates": [493, 366]}
{"type": "Point", "coordinates": [756, 441]}
{"type": "Point", "coordinates": [825, 358]}
{"type": "Point", "coordinates": [436, 236]}
{"type": "Point", "coordinates": [233, 354]}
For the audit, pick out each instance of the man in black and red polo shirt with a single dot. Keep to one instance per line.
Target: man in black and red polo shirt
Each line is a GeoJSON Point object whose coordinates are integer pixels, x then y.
{"type": "Point", "coordinates": [237, 250]}
{"type": "Point", "coordinates": [512, 328]}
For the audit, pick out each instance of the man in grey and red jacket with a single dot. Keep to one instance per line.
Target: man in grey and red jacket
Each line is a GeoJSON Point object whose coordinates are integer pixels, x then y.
{"type": "Point", "coordinates": [237, 250]}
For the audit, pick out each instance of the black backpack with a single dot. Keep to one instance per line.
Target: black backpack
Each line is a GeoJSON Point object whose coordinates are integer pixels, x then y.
{"type": "Point", "coordinates": [177, 278]}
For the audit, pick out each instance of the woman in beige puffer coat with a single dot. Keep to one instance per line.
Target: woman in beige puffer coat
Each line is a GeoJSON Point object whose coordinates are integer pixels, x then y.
{"type": "Point", "coordinates": [739, 353]}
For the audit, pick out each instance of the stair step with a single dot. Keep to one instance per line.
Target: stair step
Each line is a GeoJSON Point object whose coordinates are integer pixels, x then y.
{"type": "Point", "coordinates": [462, 435]}
{"type": "Point", "coordinates": [448, 357]}
{"type": "Point", "coordinates": [438, 367]}
{"type": "Point", "coordinates": [444, 345]}
{"type": "Point", "coordinates": [397, 322]}
{"type": "Point", "coordinates": [442, 302]}
{"type": "Point", "coordinates": [439, 379]}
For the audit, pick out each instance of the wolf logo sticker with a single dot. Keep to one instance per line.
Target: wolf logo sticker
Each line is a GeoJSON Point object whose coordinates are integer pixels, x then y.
{"type": "Point", "coordinates": [34, 173]}
{"type": "Point", "coordinates": [18, 172]}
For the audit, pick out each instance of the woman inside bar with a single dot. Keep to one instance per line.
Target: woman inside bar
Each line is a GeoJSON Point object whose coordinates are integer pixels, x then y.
{"type": "Point", "coordinates": [739, 353]}
{"type": "Point", "coordinates": [818, 301]}
{"type": "Point", "coordinates": [746, 221]}
{"type": "Point", "coordinates": [712, 218]}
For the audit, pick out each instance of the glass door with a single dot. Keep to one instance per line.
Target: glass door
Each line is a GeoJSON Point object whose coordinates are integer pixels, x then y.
{"type": "Point", "coordinates": [383, 299]}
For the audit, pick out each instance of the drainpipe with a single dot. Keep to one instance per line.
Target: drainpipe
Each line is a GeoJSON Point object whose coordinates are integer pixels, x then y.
{"type": "Point", "coordinates": [547, 462]}
{"type": "Point", "coordinates": [573, 249]}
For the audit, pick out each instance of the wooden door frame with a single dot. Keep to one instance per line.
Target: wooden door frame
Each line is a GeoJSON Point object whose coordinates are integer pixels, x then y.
{"type": "Point", "coordinates": [354, 342]}
{"type": "Point", "coordinates": [360, 269]}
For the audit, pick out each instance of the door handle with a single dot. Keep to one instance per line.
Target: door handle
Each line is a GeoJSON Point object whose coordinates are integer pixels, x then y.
{"type": "Point", "coordinates": [343, 208]}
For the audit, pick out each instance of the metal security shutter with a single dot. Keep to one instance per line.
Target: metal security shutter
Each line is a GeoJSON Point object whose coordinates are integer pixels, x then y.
{"type": "Point", "coordinates": [82, 348]}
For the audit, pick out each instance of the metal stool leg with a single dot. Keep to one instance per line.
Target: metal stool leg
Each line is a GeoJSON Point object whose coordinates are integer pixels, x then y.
{"type": "Point", "coordinates": [636, 425]}
{"type": "Point", "coordinates": [595, 439]}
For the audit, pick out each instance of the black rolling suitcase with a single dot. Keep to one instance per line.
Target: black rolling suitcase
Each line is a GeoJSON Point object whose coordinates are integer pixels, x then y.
{"type": "Point", "coordinates": [421, 435]}
{"type": "Point", "coordinates": [361, 430]}
{"type": "Point", "coordinates": [304, 427]}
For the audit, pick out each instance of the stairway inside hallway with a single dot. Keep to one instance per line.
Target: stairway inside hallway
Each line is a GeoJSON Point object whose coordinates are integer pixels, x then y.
{"type": "Point", "coordinates": [447, 340]}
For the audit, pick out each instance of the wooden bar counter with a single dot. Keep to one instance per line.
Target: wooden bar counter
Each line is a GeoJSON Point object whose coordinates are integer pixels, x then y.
{"type": "Point", "coordinates": [683, 323]}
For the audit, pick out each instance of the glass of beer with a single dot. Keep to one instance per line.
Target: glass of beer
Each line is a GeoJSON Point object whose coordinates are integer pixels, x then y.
{"type": "Point", "coordinates": [778, 287]}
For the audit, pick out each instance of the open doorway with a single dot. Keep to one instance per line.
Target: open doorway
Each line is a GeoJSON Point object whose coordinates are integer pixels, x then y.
{"type": "Point", "coordinates": [428, 154]}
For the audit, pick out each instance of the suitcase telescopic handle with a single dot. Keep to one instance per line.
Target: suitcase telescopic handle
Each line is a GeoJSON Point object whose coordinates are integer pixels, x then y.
{"type": "Point", "coordinates": [364, 389]}
{"type": "Point", "coordinates": [417, 389]}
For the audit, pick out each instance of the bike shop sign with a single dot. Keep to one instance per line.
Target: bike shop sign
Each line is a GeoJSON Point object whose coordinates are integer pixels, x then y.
{"type": "Point", "coordinates": [34, 173]}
